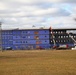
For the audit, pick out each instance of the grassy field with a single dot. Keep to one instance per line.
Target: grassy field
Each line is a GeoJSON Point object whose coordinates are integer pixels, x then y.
{"type": "Point", "coordinates": [38, 62]}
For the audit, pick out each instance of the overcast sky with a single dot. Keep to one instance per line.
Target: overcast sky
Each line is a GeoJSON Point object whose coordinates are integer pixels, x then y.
{"type": "Point", "coordinates": [38, 13]}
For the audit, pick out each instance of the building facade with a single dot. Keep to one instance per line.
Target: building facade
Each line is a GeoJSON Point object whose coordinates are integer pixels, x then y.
{"type": "Point", "coordinates": [25, 39]}
{"type": "Point", "coordinates": [63, 37]}
{"type": "Point", "coordinates": [37, 38]}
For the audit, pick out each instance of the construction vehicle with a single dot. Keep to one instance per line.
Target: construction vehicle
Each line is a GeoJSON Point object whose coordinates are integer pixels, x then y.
{"type": "Point", "coordinates": [73, 48]}
{"type": "Point", "coordinates": [72, 38]}
{"type": "Point", "coordinates": [54, 46]}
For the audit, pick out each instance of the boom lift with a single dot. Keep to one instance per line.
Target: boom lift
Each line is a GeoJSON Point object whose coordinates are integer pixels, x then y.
{"type": "Point", "coordinates": [54, 46]}
{"type": "Point", "coordinates": [73, 40]}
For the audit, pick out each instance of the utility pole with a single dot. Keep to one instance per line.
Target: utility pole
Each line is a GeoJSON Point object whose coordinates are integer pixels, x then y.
{"type": "Point", "coordinates": [1, 36]}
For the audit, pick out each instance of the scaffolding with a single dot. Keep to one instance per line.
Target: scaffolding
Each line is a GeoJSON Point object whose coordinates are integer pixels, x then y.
{"type": "Point", "coordinates": [0, 37]}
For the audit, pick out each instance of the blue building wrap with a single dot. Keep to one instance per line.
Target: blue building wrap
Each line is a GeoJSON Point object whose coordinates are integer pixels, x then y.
{"type": "Point", "coordinates": [25, 39]}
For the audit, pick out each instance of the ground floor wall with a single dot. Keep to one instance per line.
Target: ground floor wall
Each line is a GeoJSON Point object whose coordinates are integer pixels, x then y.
{"type": "Point", "coordinates": [34, 46]}
{"type": "Point", "coordinates": [25, 47]}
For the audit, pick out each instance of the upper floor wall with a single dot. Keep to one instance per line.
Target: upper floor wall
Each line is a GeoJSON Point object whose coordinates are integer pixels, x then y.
{"type": "Point", "coordinates": [26, 32]}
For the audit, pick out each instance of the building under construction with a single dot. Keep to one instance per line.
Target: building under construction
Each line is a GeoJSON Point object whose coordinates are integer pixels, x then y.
{"type": "Point", "coordinates": [23, 39]}
{"type": "Point", "coordinates": [63, 38]}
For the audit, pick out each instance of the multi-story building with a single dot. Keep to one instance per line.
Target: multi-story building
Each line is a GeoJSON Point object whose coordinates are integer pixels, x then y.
{"type": "Point", "coordinates": [62, 37]}
{"type": "Point", "coordinates": [37, 38]}
{"type": "Point", "coordinates": [25, 39]}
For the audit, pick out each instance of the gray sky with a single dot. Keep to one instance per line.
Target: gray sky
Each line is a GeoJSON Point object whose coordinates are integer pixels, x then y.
{"type": "Point", "coordinates": [40, 13]}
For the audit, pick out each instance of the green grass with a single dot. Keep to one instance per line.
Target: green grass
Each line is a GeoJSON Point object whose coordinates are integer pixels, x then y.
{"type": "Point", "coordinates": [44, 62]}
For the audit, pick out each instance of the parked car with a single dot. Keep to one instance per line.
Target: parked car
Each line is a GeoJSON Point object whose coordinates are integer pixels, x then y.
{"type": "Point", "coordinates": [8, 48]}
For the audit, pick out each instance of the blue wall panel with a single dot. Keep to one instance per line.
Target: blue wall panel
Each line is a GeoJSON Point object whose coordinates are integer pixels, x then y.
{"type": "Point", "coordinates": [25, 39]}
{"type": "Point", "coordinates": [30, 41]}
{"type": "Point", "coordinates": [30, 31]}
{"type": "Point", "coordinates": [31, 37]}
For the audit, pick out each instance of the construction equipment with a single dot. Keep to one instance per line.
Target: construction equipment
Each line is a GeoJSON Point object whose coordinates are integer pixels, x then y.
{"type": "Point", "coordinates": [54, 46]}
{"type": "Point", "coordinates": [72, 38]}
{"type": "Point", "coordinates": [74, 48]}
